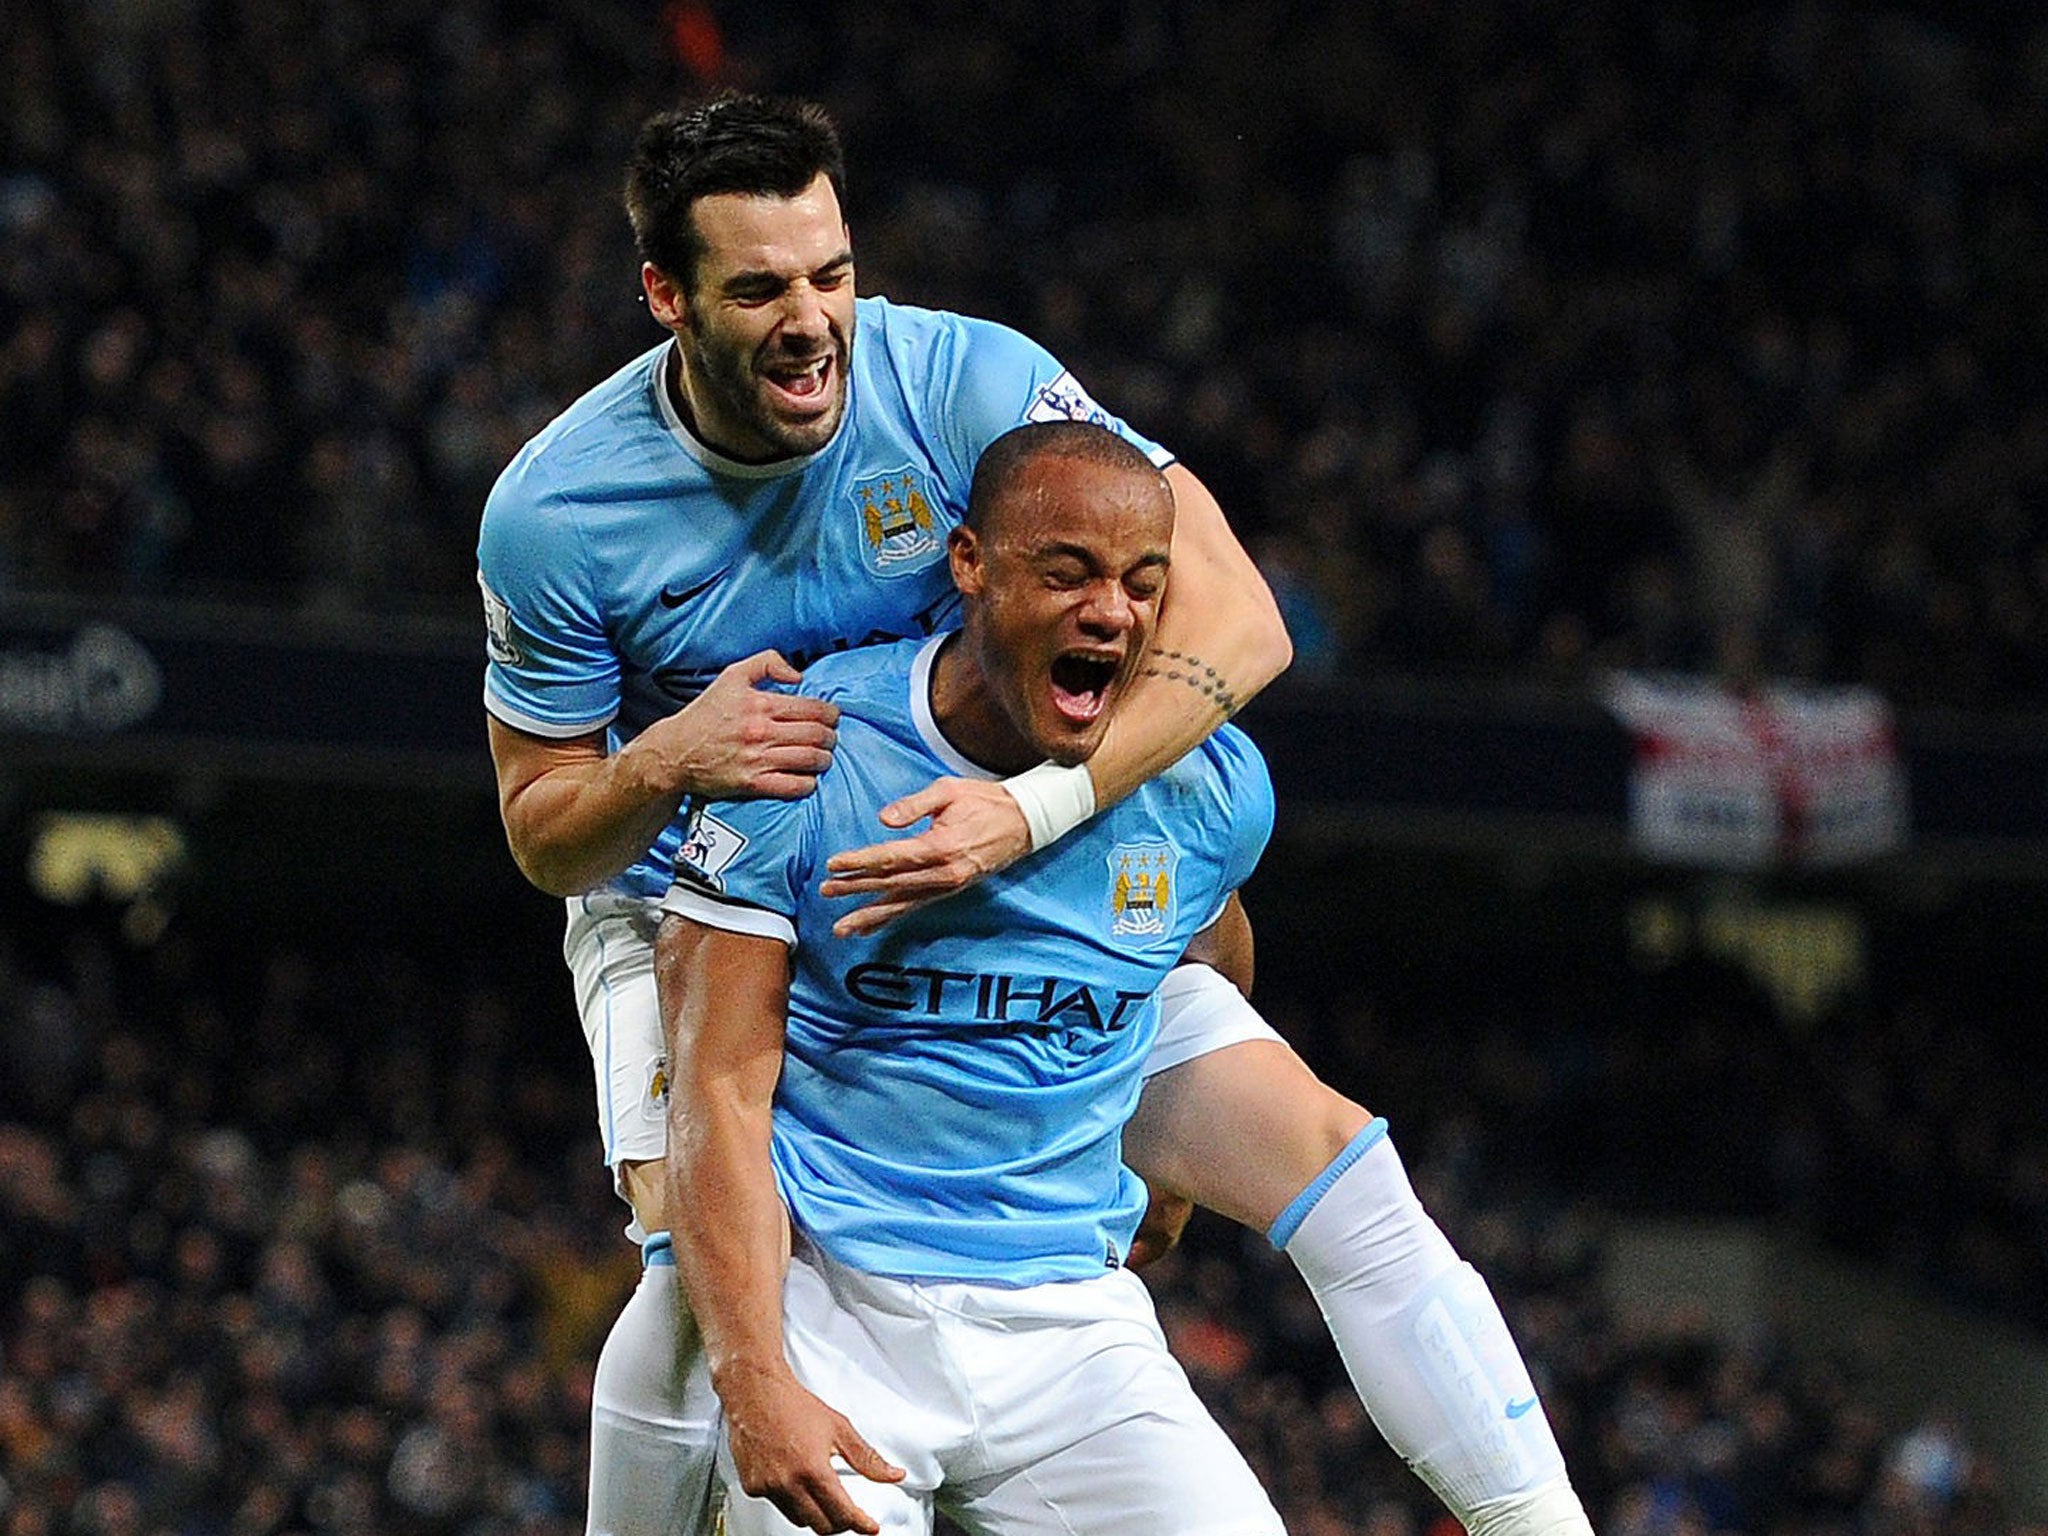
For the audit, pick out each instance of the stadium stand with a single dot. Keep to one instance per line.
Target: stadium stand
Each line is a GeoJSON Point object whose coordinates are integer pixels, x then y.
{"type": "Point", "coordinates": [1520, 342]}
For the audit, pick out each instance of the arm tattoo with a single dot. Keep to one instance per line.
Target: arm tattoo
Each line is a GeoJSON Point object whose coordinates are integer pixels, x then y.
{"type": "Point", "coordinates": [1180, 667]}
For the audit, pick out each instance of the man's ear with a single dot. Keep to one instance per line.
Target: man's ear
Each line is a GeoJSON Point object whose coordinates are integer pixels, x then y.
{"type": "Point", "coordinates": [665, 298]}
{"type": "Point", "coordinates": [963, 554]}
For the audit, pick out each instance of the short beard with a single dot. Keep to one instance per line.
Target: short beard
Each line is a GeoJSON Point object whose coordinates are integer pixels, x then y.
{"type": "Point", "coordinates": [729, 379]}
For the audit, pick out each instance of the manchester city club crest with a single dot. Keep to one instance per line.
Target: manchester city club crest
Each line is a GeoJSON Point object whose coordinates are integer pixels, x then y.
{"type": "Point", "coordinates": [899, 533]}
{"type": "Point", "coordinates": [1141, 889]}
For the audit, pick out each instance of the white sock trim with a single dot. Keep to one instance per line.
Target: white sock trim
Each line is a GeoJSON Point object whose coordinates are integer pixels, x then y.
{"type": "Point", "coordinates": [1289, 1221]}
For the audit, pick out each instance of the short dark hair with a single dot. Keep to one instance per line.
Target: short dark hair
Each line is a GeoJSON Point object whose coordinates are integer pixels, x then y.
{"type": "Point", "coordinates": [762, 146]}
{"type": "Point", "coordinates": [1017, 449]}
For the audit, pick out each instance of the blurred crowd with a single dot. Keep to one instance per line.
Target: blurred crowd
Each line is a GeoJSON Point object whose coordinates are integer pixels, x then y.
{"type": "Point", "coordinates": [1900, 1125]}
{"type": "Point", "coordinates": [321, 1254]}
{"type": "Point", "coordinates": [1517, 340]}
{"type": "Point", "coordinates": [296, 1243]}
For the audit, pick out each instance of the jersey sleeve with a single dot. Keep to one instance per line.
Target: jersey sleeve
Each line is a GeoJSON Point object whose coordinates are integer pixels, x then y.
{"type": "Point", "coordinates": [551, 670]}
{"type": "Point", "coordinates": [1247, 793]}
{"type": "Point", "coordinates": [744, 865]}
{"type": "Point", "coordinates": [988, 378]}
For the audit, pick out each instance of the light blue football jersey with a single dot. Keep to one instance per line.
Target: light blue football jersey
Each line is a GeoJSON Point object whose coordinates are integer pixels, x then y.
{"type": "Point", "coordinates": [624, 563]}
{"type": "Point", "coordinates": [954, 1088]}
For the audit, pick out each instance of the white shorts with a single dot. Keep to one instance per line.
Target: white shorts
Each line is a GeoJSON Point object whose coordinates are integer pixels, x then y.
{"type": "Point", "coordinates": [1020, 1411]}
{"type": "Point", "coordinates": [1200, 1012]}
{"type": "Point", "coordinates": [610, 950]}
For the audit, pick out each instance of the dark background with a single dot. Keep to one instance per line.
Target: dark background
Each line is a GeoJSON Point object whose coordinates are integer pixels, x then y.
{"type": "Point", "coordinates": [1520, 342]}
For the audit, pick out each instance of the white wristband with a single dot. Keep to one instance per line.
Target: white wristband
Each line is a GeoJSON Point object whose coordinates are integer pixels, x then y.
{"type": "Point", "coordinates": [1054, 800]}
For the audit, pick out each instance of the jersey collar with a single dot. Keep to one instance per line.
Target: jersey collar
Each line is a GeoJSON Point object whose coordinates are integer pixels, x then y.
{"type": "Point", "coordinates": [927, 724]}
{"type": "Point", "coordinates": [709, 456]}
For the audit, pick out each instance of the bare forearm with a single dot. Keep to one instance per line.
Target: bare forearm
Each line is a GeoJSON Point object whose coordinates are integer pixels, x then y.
{"type": "Point", "coordinates": [731, 1240]}
{"type": "Point", "coordinates": [577, 814]}
{"type": "Point", "coordinates": [1220, 640]}
{"type": "Point", "coordinates": [1183, 693]}
{"type": "Point", "coordinates": [1226, 947]}
{"type": "Point", "coordinates": [582, 823]}
{"type": "Point", "coordinates": [722, 998]}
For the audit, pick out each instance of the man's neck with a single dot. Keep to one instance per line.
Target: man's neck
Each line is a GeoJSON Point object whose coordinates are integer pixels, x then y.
{"type": "Point", "coordinates": [966, 713]}
{"type": "Point", "coordinates": [674, 377]}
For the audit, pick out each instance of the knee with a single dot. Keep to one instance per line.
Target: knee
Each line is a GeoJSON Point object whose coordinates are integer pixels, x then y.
{"type": "Point", "coordinates": [1325, 1123]}
{"type": "Point", "coordinates": [1242, 1137]}
{"type": "Point", "coordinates": [1342, 1119]}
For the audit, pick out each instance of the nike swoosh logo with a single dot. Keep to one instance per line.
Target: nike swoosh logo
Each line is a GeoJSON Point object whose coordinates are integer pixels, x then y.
{"type": "Point", "coordinates": [677, 599]}
{"type": "Point", "coordinates": [1520, 1406]}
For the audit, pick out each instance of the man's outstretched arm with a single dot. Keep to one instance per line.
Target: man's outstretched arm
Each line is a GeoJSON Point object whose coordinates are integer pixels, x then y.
{"type": "Point", "coordinates": [724, 998]}
{"type": "Point", "coordinates": [1220, 640]}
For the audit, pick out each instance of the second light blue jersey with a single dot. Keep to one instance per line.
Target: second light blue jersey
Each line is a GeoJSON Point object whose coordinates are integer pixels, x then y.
{"type": "Point", "coordinates": [624, 563]}
{"type": "Point", "coordinates": [954, 1088]}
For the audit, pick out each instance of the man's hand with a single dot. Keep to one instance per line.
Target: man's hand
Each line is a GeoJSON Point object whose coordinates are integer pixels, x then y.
{"type": "Point", "coordinates": [783, 1440]}
{"type": "Point", "coordinates": [1160, 1229]}
{"type": "Point", "coordinates": [740, 741]}
{"type": "Point", "coordinates": [576, 813]}
{"type": "Point", "coordinates": [977, 828]}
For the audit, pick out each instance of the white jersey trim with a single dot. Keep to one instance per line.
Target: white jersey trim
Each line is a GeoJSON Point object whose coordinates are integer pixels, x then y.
{"type": "Point", "coordinates": [927, 724]}
{"type": "Point", "coordinates": [709, 456]}
{"type": "Point", "coordinates": [533, 725]}
{"type": "Point", "coordinates": [732, 916]}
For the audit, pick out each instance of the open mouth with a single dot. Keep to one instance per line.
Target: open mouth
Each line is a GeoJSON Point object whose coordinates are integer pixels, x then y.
{"type": "Point", "coordinates": [1081, 681]}
{"type": "Point", "coordinates": [804, 388]}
